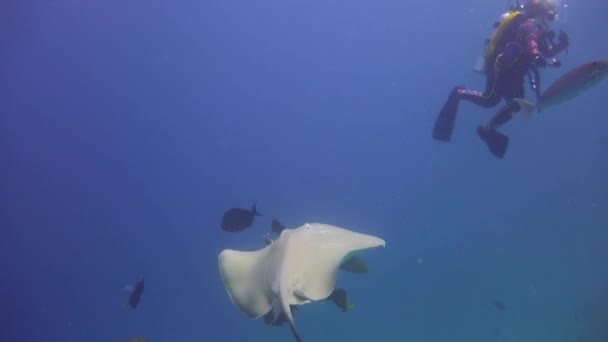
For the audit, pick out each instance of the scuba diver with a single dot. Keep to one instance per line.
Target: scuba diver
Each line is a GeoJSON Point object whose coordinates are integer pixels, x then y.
{"type": "Point", "coordinates": [521, 44]}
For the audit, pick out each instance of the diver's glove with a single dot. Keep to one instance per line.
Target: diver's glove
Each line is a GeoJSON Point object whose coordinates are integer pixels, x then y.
{"type": "Point", "coordinates": [539, 61]}
{"type": "Point", "coordinates": [563, 38]}
{"type": "Point", "coordinates": [564, 41]}
{"type": "Point", "coordinates": [555, 63]}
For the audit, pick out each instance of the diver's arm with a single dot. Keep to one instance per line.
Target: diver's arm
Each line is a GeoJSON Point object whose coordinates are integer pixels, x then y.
{"type": "Point", "coordinates": [531, 33]}
{"type": "Point", "coordinates": [561, 45]}
{"type": "Point", "coordinates": [555, 50]}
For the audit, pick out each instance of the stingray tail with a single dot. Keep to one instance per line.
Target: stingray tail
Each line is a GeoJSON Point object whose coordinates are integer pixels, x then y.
{"type": "Point", "coordinates": [292, 324]}
{"type": "Point", "coordinates": [295, 332]}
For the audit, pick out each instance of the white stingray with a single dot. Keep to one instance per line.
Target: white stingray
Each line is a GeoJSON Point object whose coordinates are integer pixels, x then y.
{"type": "Point", "coordinates": [297, 268]}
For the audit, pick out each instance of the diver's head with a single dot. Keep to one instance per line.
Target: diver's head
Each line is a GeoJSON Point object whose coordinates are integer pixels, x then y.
{"type": "Point", "coordinates": [541, 9]}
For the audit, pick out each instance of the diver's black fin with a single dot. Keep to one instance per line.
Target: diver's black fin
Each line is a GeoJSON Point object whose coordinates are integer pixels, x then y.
{"type": "Point", "coordinates": [277, 226]}
{"type": "Point", "coordinates": [444, 125]}
{"type": "Point", "coordinates": [496, 141]}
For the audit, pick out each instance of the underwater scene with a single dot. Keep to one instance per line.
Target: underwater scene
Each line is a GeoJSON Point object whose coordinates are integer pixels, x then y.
{"type": "Point", "coordinates": [290, 170]}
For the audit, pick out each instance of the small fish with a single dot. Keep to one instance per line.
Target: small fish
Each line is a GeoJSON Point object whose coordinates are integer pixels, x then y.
{"type": "Point", "coordinates": [277, 227]}
{"type": "Point", "coordinates": [569, 86]}
{"type": "Point", "coordinates": [135, 292]}
{"type": "Point", "coordinates": [137, 339]}
{"type": "Point", "coordinates": [341, 300]}
{"type": "Point", "coordinates": [603, 141]}
{"type": "Point", "coordinates": [354, 264]}
{"type": "Point", "coordinates": [499, 305]}
{"type": "Point", "coordinates": [237, 219]}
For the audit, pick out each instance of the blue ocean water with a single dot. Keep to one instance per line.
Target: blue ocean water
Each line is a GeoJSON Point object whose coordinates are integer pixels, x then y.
{"type": "Point", "coordinates": [127, 128]}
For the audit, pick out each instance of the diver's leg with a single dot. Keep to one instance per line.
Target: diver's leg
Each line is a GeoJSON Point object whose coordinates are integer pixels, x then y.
{"type": "Point", "coordinates": [513, 87]}
{"type": "Point", "coordinates": [502, 79]}
{"type": "Point", "coordinates": [496, 85]}
{"type": "Point", "coordinates": [444, 125]}
{"type": "Point", "coordinates": [492, 94]}
{"type": "Point", "coordinates": [486, 100]}
{"type": "Point", "coordinates": [496, 141]}
{"type": "Point", "coordinates": [490, 77]}
{"type": "Point", "coordinates": [506, 113]}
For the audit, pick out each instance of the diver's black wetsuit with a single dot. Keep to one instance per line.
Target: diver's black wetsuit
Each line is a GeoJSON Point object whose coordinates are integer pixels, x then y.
{"type": "Point", "coordinates": [507, 85]}
{"type": "Point", "coordinates": [505, 80]}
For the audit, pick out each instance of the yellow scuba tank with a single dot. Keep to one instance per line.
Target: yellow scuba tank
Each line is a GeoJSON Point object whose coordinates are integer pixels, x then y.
{"type": "Point", "coordinates": [497, 40]}
{"type": "Point", "coordinates": [505, 24]}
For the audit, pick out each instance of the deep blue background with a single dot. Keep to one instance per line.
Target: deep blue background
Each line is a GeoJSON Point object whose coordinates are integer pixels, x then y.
{"type": "Point", "coordinates": [128, 127]}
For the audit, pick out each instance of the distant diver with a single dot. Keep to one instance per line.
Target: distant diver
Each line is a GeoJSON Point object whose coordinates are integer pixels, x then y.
{"type": "Point", "coordinates": [521, 44]}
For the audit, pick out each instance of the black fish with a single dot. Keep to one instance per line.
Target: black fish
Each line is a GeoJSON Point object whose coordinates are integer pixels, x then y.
{"type": "Point", "coordinates": [340, 299]}
{"type": "Point", "coordinates": [136, 291]}
{"type": "Point", "coordinates": [499, 305]}
{"type": "Point", "coordinates": [354, 265]}
{"type": "Point", "coordinates": [237, 219]}
{"type": "Point", "coordinates": [277, 227]}
{"type": "Point", "coordinates": [338, 296]}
